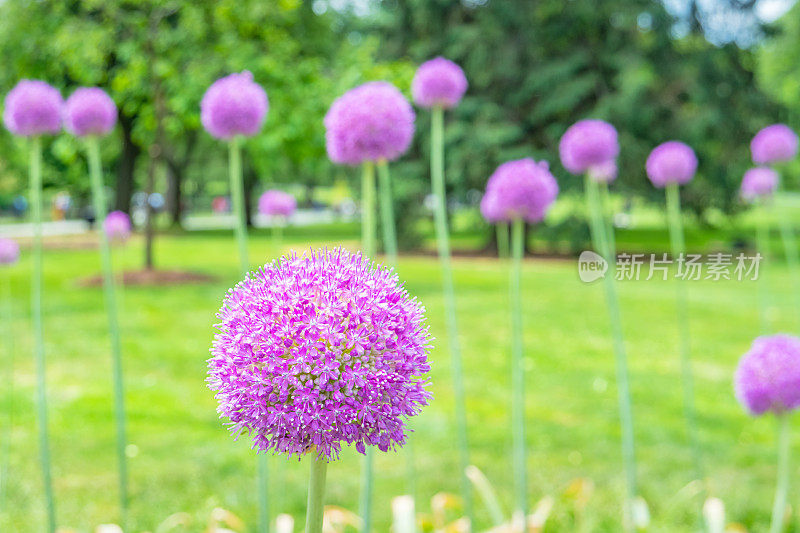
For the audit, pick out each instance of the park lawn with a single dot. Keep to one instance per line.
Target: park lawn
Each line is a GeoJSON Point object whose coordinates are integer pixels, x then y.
{"type": "Point", "coordinates": [183, 460]}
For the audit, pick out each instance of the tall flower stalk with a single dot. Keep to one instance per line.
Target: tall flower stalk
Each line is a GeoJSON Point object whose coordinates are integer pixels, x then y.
{"type": "Point", "coordinates": [32, 109]}
{"type": "Point", "coordinates": [90, 113]}
{"type": "Point", "coordinates": [771, 146]}
{"type": "Point", "coordinates": [279, 206]}
{"type": "Point", "coordinates": [368, 125]}
{"type": "Point", "coordinates": [669, 166]}
{"type": "Point", "coordinates": [518, 192]}
{"type": "Point", "coordinates": [234, 107]}
{"type": "Point", "coordinates": [440, 84]}
{"type": "Point", "coordinates": [766, 382]}
{"type": "Point", "coordinates": [365, 362]}
{"type": "Point", "coordinates": [387, 212]}
{"type": "Point", "coordinates": [590, 147]}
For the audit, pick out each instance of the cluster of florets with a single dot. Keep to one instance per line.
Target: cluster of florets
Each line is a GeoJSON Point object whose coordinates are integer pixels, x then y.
{"type": "Point", "coordinates": [90, 111]}
{"type": "Point", "coordinates": [438, 82]}
{"type": "Point", "coordinates": [774, 144]}
{"type": "Point", "coordinates": [319, 351]}
{"type": "Point", "coordinates": [672, 162]}
{"type": "Point", "coordinates": [117, 226]}
{"type": "Point", "coordinates": [590, 146]}
{"type": "Point", "coordinates": [9, 251]}
{"type": "Point", "coordinates": [372, 122]}
{"type": "Point", "coordinates": [520, 189]}
{"type": "Point", "coordinates": [758, 182]}
{"type": "Point", "coordinates": [768, 376]}
{"type": "Point", "coordinates": [277, 203]}
{"type": "Point", "coordinates": [33, 108]}
{"type": "Point", "coordinates": [234, 106]}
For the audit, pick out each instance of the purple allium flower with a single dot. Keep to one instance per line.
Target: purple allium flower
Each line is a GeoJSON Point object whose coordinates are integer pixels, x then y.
{"type": "Point", "coordinates": [671, 162]}
{"type": "Point", "coordinates": [277, 203]}
{"type": "Point", "coordinates": [520, 189]}
{"type": "Point", "coordinates": [604, 172]}
{"type": "Point", "coordinates": [234, 105]}
{"type": "Point", "coordinates": [117, 226]}
{"type": "Point", "coordinates": [320, 350]}
{"type": "Point", "coordinates": [587, 144]}
{"type": "Point", "coordinates": [438, 82]}
{"type": "Point", "coordinates": [371, 122]}
{"type": "Point", "coordinates": [774, 144]}
{"type": "Point", "coordinates": [768, 376]}
{"type": "Point", "coordinates": [90, 111]}
{"type": "Point", "coordinates": [758, 182]}
{"type": "Point", "coordinates": [9, 251]}
{"type": "Point", "coordinates": [33, 108]}
{"type": "Point", "coordinates": [489, 208]}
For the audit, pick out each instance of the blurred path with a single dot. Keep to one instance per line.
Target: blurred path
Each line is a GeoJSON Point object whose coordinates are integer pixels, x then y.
{"type": "Point", "coordinates": [49, 229]}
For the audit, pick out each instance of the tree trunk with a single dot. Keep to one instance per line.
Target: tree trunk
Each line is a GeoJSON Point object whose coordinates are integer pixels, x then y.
{"type": "Point", "coordinates": [126, 166]}
{"type": "Point", "coordinates": [174, 198]}
{"type": "Point", "coordinates": [250, 180]}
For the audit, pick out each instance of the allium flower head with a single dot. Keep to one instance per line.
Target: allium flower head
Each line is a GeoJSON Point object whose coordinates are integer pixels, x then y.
{"type": "Point", "coordinates": [438, 82]}
{"type": "Point", "coordinates": [277, 203]}
{"type": "Point", "coordinates": [320, 350]}
{"type": "Point", "coordinates": [33, 108]}
{"type": "Point", "coordinates": [768, 376]}
{"type": "Point", "coordinates": [234, 105]}
{"type": "Point", "coordinates": [490, 208]}
{"type": "Point", "coordinates": [587, 144]}
{"type": "Point", "coordinates": [758, 182]}
{"type": "Point", "coordinates": [671, 162]}
{"type": "Point", "coordinates": [90, 111]}
{"type": "Point", "coordinates": [604, 172]}
{"type": "Point", "coordinates": [774, 144]}
{"type": "Point", "coordinates": [117, 226]}
{"type": "Point", "coordinates": [520, 189]}
{"type": "Point", "coordinates": [9, 251]}
{"type": "Point", "coordinates": [371, 122]}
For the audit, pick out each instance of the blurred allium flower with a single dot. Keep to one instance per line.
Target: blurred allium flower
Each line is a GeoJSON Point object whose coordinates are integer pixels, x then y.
{"type": "Point", "coordinates": [117, 226]}
{"type": "Point", "coordinates": [604, 172]}
{"type": "Point", "coordinates": [234, 105]}
{"type": "Point", "coordinates": [671, 162]}
{"type": "Point", "coordinates": [9, 251]}
{"type": "Point", "coordinates": [768, 376]}
{"type": "Point", "coordinates": [277, 203]}
{"type": "Point", "coordinates": [371, 122]}
{"type": "Point", "coordinates": [489, 208]}
{"type": "Point", "coordinates": [520, 189]}
{"type": "Point", "coordinates": [320, 350]}
{"type": "Point", "coordinates": [758, 182]}
{"type": "Point", "coordinates": [587, 144]}
{"type": "Point", "coordinates": [33, 108]}
{"type": "Point", "coordinates": [438, 82]}
{"type": "Point", "coordinates": [90, 111]}
{"type": "Point", "coordinates": [774, 144]}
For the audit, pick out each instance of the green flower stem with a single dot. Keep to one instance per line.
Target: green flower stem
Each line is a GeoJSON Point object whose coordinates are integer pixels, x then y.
{"type": "Point", "coordinates": [681, 305]}
{"type": "Point", "coordinates": [791, 253]}
{"type": "Point", "coordinates": [782, 485]}
{"type": "Point", "coordinates": [608, 217]}
{"type": "Point", "coordinates": [99, 201]}
{"type": "Point", "coordinates": [8, 324]}
{"type": "Point", "coordinates": [517, 371]}
{"type": "Point", "coordinates": [277, 234]}
{"type": "Point", "coordinates": [240, 228]}
{"type": "Point", "coordinates": [762, 247]}
{"type": "Point", "coordinates": [387, 213]}
{"type": "Point", "coordinates": [316, 495]}
{"type": "Point", "coordinates": [38, 333]}
{"type": "Point", "coordinates": [368, 248]}
{"type": "Point", "coordinates": [599, 238]}
{"type": "Point", "coordinates": [502, 239]}
{"type": "Point", "coordinates": [237, 201]}
{"type": "Point", "coordinates": [443, 243]}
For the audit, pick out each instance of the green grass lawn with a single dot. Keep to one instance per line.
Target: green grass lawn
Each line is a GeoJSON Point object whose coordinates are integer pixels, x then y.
{"type": "Point", "coordinates": [183, 460]}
